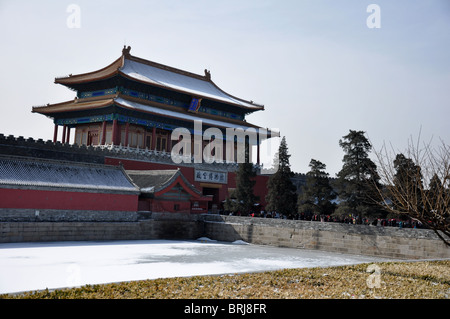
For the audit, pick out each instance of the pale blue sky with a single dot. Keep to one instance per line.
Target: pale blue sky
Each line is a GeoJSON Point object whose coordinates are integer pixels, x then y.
{"type": "Point", "coordinates": [315, 65]}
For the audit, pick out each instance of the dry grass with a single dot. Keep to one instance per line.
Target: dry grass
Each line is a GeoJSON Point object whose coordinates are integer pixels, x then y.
{"type": "Point", "coordinates": [397, 280]}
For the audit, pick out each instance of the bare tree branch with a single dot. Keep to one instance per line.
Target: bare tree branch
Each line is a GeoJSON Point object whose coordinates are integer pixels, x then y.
{"type": "Point", "coordinates": [417, 184]}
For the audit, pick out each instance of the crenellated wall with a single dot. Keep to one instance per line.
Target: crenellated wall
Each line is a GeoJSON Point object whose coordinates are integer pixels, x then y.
{"type": "Point", "coordinates": [19, 146]}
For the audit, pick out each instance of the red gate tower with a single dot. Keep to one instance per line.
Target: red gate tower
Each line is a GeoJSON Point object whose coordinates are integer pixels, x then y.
{"type": "Point", "coordinates": [133, 105]}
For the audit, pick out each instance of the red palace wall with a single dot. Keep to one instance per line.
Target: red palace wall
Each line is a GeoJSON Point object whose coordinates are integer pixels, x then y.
{"type": "Point", "coordinates": [46, 199]}
{"type": "Point", "coordinates": [168, 206]}
{"type": "Point", "coordinates": [40, 199]}
{"type": "Point", "coordinates": [260, 188]}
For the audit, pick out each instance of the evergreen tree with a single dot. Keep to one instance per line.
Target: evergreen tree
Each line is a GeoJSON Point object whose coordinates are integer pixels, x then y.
{"type": "Point", "coordinates": [357, 178]}
{"type": "Point", "coordinates": [243, 194]}
{"type": "Point", "coordinates": [281, 196]}
{"type": "Point", "coordinates": [317, 194]}
{"type": "Point", "coordinates": [245, 198]}
{"type": "Point", "coordinates": [407, 180]}
{"type": "Point", "coordinates": [435, 192]}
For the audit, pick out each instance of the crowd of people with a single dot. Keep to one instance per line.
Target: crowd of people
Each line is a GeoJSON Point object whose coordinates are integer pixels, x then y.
{"type": "Point", "coordinates": [350, 219]}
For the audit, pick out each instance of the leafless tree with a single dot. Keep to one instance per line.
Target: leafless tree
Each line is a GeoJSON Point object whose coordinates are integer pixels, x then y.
{"type": "Point", "coordinates": [416, 183]}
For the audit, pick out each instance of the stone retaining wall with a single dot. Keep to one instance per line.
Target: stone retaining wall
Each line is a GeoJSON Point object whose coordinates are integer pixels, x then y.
{"type": "Point", "coordinates": [392, 242]}
{"type": "Point", "coordinates": [56, 215]}
{"type": "Point", "coordinates": [334, 237]}
{"type": "Point", "coordinates": [95, 227]}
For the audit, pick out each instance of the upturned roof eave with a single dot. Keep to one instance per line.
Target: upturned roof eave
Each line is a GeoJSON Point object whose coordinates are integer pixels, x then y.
{"type": "Point", "coordinates": [72, 106]}
{"type": "Point", "coordinates": [82, 105]}
{"type": "Point", "coordinates": [101, 74]}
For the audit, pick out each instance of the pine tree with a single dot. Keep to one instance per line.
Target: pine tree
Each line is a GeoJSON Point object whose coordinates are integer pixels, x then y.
{"type": "Point", "coordinates": [357, 178]}
{"type": "Point", "coordinates": [317, 194]}
{"type": "Point", "coordinates": [407, 180]}
{"type": "Point", "coordinates": [281, 196]}
{"type": "Point", "coordinates": [245, 198]}
{"type": "Point", "coordinates": [435, 192]}
{"type": "Point", "coordinates": [243, 194]}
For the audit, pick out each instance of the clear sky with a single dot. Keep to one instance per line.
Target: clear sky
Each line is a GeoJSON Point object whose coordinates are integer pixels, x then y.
{"type": "Point", "coordinates": [315, 65]}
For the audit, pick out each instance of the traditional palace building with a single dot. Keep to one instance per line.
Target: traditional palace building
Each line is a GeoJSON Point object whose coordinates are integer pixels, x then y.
{"type": "Point", "coordinates": [128, 111]}
{"type": "Point", "coordinates": [137, 103]}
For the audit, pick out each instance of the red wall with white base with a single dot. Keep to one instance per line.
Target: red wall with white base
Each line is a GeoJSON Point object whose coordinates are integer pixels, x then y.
{"type": "Point", "coordinates": [42, 199]}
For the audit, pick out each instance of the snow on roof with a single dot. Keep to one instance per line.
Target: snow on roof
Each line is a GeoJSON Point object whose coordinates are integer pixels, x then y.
{"type": "Point", "coordinates": [80, 104]}
{"type": "Point", "coordinates": [160, 75]}
{"type": "Point", "coordinates": [17, 171]}
{"type": "Point", "coordinates": [152, 181]}
{"type": "Point", "coordinates": [148, 181]}
{"type": "Point", "coordinates": [184, 116]}
{"type": "Point", "coordinates": [167, 77]}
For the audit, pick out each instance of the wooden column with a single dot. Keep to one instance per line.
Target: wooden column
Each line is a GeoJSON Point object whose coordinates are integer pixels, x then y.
{"type": "Point", "coordinates": [68, 135]}
{"type": "Point", "coordinates": [64, 134]}
{"type": "Point", "coordinates": [115, 132]}
{"type": "Point", "coordinates": [257, 153]}
{"type": "Point", "coordinates": [154, 138]}
{"type": "Point", "coordinates": [127, 127]}
{"type": "Point", "coordinates": [55, 133]}
{"type": "Point", "coordinates": [224, 152]}
{"type": "Point", "coordinates": [169, 144]}
{"type": "Point", "coordinates": [103, 141]}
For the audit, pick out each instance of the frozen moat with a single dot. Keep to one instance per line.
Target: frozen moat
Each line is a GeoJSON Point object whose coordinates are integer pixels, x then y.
{"type": "Point", "coordinates": [35, 266]}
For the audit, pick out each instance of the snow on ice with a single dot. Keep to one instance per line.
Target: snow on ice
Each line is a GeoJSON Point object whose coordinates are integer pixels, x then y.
{"type": "Point", "coordinates": [35, 266]}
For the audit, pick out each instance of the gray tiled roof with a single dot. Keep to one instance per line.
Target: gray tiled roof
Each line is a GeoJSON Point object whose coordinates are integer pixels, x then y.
{"type": "Point", "coordinates": [152, 181]}
{"type": "Point", "coordinates": [35, 173]}
{"type": "Point", "coordinates": [180, 81]}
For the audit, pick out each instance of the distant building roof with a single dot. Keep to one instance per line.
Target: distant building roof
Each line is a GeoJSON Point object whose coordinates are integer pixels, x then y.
{"type": "Point", "coordinates": [154, 180]}
{"type": "Point", "coordinates": [158, 181]}
{"type": "Point", "coordinates": [21, 172]}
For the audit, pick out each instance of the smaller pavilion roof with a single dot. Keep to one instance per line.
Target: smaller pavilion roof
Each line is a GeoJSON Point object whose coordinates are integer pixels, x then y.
{"type": "Point", "coordinates": [159, 181]}
{"type": "Point", "coordinates": [149, 181]}
{"type": "Point", "coordinates": [32, 173]}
